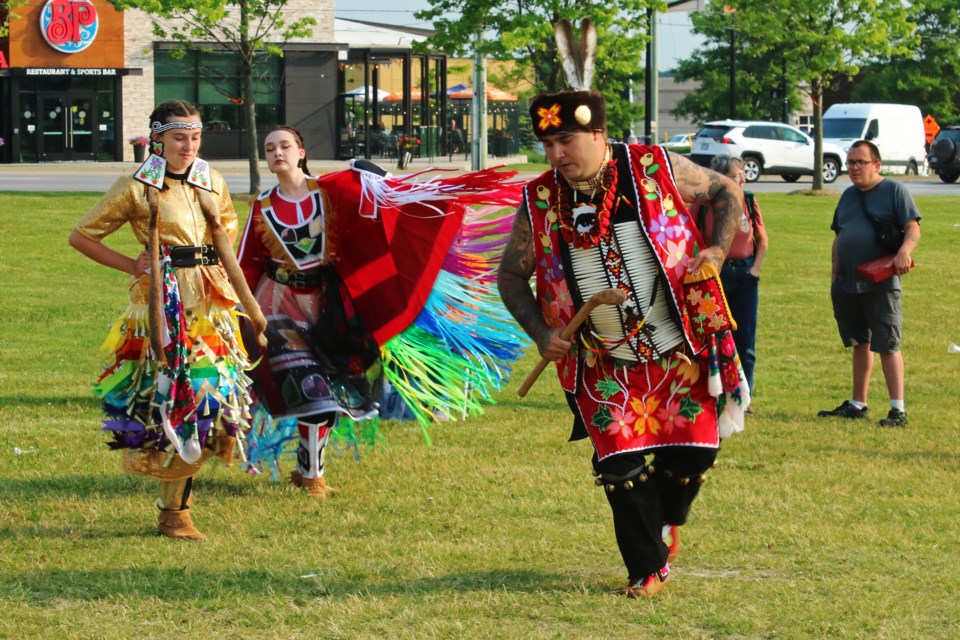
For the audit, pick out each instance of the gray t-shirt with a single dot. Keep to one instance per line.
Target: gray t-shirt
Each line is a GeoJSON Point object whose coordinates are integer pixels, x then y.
{"type": "Point", "coordinates": [856, 241]}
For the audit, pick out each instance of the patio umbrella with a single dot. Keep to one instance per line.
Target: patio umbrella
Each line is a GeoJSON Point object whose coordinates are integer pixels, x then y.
{"type": "Point", "coordinates": [397, 96]}
{"type": "Point", "coordinates": [378, 96]}
{"type": "Point", "coordinates": [493, 94]}
{"type": "Point", "coordinates": [453, 89]}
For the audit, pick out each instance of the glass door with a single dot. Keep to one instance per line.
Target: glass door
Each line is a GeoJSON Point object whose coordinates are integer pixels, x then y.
{"type": "Point", "coordinates": [68, 124]}
{"type": "Point", "coordinates": [29, 127]}
{"type": "Point", "coordinates": [53, 127]}
{"type": "Point", "coordinates": [82, 132]}
{"type": "Point", "coordinates": [106, 126]}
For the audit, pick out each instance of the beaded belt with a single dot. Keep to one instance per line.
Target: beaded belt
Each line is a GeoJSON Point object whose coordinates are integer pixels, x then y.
{"type": "Point", "coordinates": [204, 255]}
{"type": "Point", "coordinates": [298, 279]}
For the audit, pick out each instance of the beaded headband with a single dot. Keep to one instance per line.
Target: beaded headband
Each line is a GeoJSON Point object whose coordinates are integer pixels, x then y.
{"type": "Point", "coordinates": [157, 127]}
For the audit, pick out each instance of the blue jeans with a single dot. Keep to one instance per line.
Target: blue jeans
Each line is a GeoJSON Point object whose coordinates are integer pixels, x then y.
{"type": "Point", "coordinates": [742, 291]}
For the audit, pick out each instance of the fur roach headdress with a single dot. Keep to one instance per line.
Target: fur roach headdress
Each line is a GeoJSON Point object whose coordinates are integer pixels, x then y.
{"type": "Point", "coordinates": [580, 109]}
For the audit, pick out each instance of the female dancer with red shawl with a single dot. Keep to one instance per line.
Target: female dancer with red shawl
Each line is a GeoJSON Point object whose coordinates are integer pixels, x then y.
{"type": "Point", "coordinates": [310, 372]}
{"type": "Point", "coordinates": [357, 270]}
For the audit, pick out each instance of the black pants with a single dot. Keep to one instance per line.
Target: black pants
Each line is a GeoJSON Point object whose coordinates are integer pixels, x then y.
{"type": "Point", "coordinates": [663, 497]}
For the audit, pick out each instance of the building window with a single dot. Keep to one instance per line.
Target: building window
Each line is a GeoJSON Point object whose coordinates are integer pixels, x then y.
{"type": "Point", "coordinates": [211, 80]}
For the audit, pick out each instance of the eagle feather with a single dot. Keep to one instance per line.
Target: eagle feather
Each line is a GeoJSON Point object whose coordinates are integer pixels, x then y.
{"type": "Point", "coordinates": [569, 55]}
{"type": "Point", "coordinates": [588, 51]}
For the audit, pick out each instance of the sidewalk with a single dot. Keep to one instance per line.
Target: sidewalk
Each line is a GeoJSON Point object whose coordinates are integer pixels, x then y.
{"type": "Point", "coordinates": [242, 167]}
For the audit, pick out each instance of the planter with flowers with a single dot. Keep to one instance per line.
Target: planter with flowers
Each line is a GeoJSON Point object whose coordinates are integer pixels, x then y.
{"type": "Point", "coordinates": [139, 147]}
{"type": "Point", "coordinates": [407, 147]}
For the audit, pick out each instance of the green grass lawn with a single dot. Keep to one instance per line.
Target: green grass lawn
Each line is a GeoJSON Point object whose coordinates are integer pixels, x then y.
{"type": "Point", "coordinates": [808, 528]}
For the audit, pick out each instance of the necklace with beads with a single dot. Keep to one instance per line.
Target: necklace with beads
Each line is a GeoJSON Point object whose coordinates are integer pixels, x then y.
{"type": "Point", "coordinates": [583, 225]}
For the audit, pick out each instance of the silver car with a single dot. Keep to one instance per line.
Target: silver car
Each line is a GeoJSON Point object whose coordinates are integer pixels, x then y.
{"type": "Point", "coordinates": [766, 148]}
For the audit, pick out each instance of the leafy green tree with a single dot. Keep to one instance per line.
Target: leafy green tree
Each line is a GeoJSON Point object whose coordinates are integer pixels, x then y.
{"type": "Point", "coordinates": [523, 31]}
{"type": "Point", "coordinates": [8, 10]}
{"type": "Point", "coordinates": [247, 29]}
{"type": "Point", "coordinates": [927, 75]}
{"type": "Point", "coordinates": [759, 82]}
{"type": "Point", "coordinates": [819, 41]}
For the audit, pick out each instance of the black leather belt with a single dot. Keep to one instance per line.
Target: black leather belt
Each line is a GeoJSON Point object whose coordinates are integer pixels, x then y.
{"type": "Point", "coordinates": [298, 279]}
{"type": "Point", "coordinates": [203, 255]}
{"type": "Point", "coordinates": [740, 262]}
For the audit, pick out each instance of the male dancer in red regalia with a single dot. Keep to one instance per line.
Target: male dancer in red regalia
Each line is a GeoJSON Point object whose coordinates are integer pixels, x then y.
{"type": "Point", "coordinates": [642, 382]}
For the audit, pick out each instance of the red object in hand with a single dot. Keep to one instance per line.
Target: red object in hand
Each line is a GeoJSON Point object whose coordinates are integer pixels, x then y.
{"type": "Point", "coordinates": [879, 270]}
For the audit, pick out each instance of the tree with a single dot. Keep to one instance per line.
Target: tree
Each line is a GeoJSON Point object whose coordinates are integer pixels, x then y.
{"type": "Point", "coordinates": [928, 75]}
{"type": "Point", "coordinates": [8, 11]}
{"type": "Point", "coordinates": [524, 31]}
{"type": "Point", "coordinates": [763, 88]}
{"type": "Point", "coordinates": [820, 42]}
{"type": "Point", "coordinates": [247, 29]}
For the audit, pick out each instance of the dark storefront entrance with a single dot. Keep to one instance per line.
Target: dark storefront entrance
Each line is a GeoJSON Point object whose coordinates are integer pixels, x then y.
{"type": "Point", "coordinates": [65, 118]}
{"type": "Point", "coordinates": [68, 126]}
{"type": "Point", "coordinates": [60, 81]}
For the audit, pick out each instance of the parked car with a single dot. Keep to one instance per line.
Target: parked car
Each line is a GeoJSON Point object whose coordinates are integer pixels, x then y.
{"type": "Point", "coordinates": [766, 148]}
{"type": "Point", "coordinates": [944, 156]}
{"type": "Point", "coordinates": [680, 143]}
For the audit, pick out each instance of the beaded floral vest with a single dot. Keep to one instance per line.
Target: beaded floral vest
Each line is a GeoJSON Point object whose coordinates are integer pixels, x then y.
{"type": "Point", "coordinates": [646, 207]}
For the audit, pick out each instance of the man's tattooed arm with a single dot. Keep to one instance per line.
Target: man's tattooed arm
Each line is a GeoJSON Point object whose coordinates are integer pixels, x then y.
{"type": "Point", "coordinates": [513, 280]}
{"type": "Point", "coordinates": [698, 184]}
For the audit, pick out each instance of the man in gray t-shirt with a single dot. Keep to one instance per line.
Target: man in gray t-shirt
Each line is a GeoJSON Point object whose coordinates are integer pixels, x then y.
{"type": "Point", "coordinates": [869, 314]}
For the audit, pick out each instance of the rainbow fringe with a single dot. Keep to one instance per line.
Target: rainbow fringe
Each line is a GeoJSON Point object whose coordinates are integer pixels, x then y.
{"type": "Point", "coordinates": [460, 349]}
{"type": "Point", "coordinates": [449, 362]}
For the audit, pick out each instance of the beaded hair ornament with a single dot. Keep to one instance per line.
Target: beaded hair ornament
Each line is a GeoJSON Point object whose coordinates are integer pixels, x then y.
{"type": "Point", "coordinates": [154, 168]}
{"type": "Point", "coordinates": [160, 127]}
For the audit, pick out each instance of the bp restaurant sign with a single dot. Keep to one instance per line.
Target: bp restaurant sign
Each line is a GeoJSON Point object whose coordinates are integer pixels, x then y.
{"type": "Point", "coordinates": [69, 26]}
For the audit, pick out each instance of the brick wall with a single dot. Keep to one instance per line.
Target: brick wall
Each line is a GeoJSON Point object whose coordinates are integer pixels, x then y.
{"type": "Point", "coordinates": [138, 100]}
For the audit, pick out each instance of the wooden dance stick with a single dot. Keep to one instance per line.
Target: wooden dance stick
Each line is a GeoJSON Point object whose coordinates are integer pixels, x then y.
{"type": "Point", "coordinates": [607, 296]}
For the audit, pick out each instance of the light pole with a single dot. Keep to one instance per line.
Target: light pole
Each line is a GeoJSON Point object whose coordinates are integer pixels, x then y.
{"type": "Point", "coordinates": [651, 85]}
{"type": "Point", "coordinates": [651, 103]}
{"type": "Point", "coordinates": [783, 91]}
{"type": "Point", "coordinates": [731, 11]}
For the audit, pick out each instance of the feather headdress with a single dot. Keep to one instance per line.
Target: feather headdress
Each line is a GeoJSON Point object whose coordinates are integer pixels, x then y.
{"type": "Point", "coordinates": [577, 58]}
{"type": "Point", "coordinates": [580, 109]}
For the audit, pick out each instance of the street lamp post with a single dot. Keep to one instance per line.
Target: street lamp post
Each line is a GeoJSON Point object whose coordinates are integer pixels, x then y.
{"type": "Point", "coordinates": [651, 103]}
{"type": "Point", "coordinates": [731, 11]}
{"type": "Point", "coordinates": [783, 91]}
{"type": "Point", "coordinates": [733, 76]}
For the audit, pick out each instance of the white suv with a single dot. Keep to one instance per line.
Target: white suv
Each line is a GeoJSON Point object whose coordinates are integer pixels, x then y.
{"type": "Point", "coordinates": [766, 147]}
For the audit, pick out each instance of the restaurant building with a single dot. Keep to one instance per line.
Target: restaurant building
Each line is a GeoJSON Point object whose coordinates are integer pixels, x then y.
{"type": "Point", "coordinates": [78, 80]}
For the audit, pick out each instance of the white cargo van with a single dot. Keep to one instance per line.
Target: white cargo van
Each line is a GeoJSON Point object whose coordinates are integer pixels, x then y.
{"type": "Point", "coordinates": [896, 129]}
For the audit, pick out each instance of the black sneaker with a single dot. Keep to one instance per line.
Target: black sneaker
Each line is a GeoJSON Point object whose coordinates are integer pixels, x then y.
{"type": "Point", "coordinates": [895, 418]}
{"type": "Point", "coordinates": [845, 410]}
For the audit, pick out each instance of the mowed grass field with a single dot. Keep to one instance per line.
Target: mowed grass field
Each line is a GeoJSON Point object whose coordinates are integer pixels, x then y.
{"type": "Point", "coordinates": [808, 528]}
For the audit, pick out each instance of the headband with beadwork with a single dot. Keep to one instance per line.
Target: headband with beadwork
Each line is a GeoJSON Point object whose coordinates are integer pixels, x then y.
{"type": "Point", "coordinates": [157, 127]}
